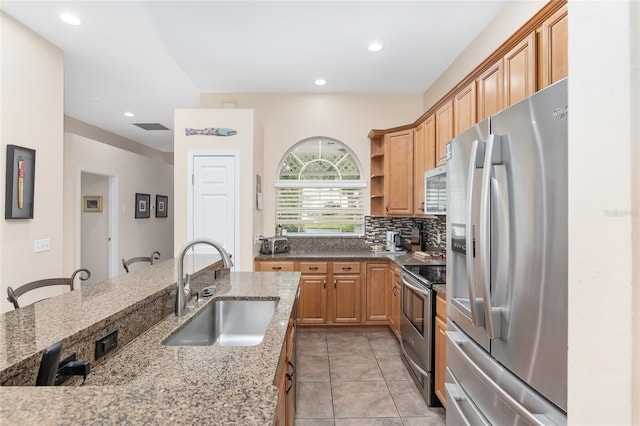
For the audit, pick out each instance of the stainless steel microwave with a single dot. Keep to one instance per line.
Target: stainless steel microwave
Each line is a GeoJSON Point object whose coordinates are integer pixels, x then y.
{"type": "Point", "coordinates": [435, 191]}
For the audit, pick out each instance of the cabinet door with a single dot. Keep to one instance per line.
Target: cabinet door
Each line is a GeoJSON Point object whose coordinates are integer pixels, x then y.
{"type": "Point", "coordinates": [520, 71]}
{"type": "Point", "coordinates": [553, 49]}
{"type": "Point", "coordinates": [424, 158]}
{"type": "Point", "coordinates": [441, 359]}
{"type": "Point", "coordinates": [444, 131]}
{"type": "Point", "coordinates": [378, 292]}
{"type": "Point", "coordinates": [312, 308]}
{"type": "Point", "coordinates": [398, 173]}
{"type": "Point", "coordinates": [464, 108]}
{"type": "Point", "coordinates": [291, 385]}
{"type": "Point", "coordinates": [346, 299]}
{"type": "Point", "coordinates": [396, 286]}
{"type": "Point", "coordinates": [490, 85]}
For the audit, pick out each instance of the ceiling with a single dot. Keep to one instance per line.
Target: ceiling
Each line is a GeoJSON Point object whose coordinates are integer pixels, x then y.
{"type": "Point", "coordinates": [150, 57]}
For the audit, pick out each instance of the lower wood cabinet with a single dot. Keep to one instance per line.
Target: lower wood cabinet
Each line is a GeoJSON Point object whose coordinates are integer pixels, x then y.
{"type": "Point", "coordinates": [346, 299]}
{"type": "Point", "coordinates": [312, 307]}
{"type": "Point", "coordinates": [378, 293]}
{"type": "Point", "coordinates": [396, 289]}
{"type": "Point", "coordinates": [440, 348]}
{"type": "Point", "coordinates": [286, 378]}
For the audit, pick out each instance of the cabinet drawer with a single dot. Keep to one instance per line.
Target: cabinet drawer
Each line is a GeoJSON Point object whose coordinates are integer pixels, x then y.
{"type": "Point", "coordinates": [276, 266]}
{"type": "Point", "coordinates": [441, 307]}
{"type": "Point", "coordinates": [313, 267]}
{"type": "Point", "coordinates": [346, 267]}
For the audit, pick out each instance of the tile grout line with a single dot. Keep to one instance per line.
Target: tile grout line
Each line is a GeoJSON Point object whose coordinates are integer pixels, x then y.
{"type": "Point", "coordinates": [385, 381]}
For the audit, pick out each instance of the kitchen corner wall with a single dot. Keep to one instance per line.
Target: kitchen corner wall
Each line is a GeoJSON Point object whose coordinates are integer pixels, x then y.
{"type": "Point", "coordinates": [289, 118]}
{"type": "Point", "coordinates": [31, 73]}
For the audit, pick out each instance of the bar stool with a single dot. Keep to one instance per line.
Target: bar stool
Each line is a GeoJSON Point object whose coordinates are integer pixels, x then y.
{"type": "Point", "coordinates": [154, 256]}
{"type": "Point", "coordinates": [13, 294]}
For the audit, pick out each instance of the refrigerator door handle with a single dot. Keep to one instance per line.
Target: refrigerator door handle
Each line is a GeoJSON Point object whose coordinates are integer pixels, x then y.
{"type": "Point", "coordinates": [492, 156]}
{"type": "Point", "coordinates": [474, 303]}
{"type": "Point", "coordinates": [529, 417]}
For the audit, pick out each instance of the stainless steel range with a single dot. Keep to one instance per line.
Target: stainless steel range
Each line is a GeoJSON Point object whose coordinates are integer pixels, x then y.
{"type": "Point", "coordinates": [416, 324]}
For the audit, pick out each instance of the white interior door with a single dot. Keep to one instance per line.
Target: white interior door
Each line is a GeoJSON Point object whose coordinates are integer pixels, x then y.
{"type": "Point", "coordinates": [214, 202]}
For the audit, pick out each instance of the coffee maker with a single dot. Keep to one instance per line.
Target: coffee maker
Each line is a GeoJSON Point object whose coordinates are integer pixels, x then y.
{"type": "Point", "coordinates": [392, 241]}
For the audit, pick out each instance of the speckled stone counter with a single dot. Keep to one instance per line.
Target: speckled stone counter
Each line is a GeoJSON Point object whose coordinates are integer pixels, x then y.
{"type": "Point", "coordinates": [402, 258]}
{"type": "Point", "coordinates": [146, 382]}
{"type": "Point", "coordinates": [440, 289]}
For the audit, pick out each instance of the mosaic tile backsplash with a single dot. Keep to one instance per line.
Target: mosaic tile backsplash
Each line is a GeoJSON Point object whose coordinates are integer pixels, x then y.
{"type": "Point", "coordinates": [375, 230]}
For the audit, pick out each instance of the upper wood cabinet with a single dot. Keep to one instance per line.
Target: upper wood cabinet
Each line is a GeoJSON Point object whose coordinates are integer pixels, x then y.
{"type": "Point", "coordinates": [444, 131]}
{"type": "Point", "coordinates": [424, 158]}
{"type": "Point", "coordinates": [490, 91]}
{"type": "Point", "coordinates": [377, 173]}
{"type": "Point", "coordinates": [553, 49]}
{"type": "Point", "coordinates": [520, 71]}
{"type": "Point", "coordinates": [398, 173]}
{"type": "Point", "coordinates": [464, 109]}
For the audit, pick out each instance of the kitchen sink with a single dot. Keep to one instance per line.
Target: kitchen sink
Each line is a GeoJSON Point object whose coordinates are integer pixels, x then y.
{"type": "Point", "coordinates": [226, 323]}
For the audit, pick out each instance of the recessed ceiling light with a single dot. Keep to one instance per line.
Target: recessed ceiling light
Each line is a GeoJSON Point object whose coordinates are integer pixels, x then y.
{"type": "Point", "coordinates": [128, 114]}
{"type": "Point", "coordinates": [69, 19]}
{"type": "Point", "coordinates": [375, 47]}
{"type": "Point", "coordinates": [320, 82]}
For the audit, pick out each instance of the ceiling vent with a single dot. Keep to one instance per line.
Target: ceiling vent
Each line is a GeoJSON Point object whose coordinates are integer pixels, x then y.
{"type": "Point", "coordinates": [150, 126]}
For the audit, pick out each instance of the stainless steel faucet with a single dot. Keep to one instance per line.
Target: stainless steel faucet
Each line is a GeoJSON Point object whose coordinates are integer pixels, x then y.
{"type": "Point", "coordinates": [183, 289]}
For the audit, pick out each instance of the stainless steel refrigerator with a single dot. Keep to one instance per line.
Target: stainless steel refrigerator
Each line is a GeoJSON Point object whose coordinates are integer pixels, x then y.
{"type": "Point", "coordinates": [507, 266]}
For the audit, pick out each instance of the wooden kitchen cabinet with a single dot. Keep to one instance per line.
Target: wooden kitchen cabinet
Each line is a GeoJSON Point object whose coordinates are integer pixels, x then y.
{"type": "Point", "coordinates": [444, 131]}
{"type": "Point", "coordinates": [346, 302]}
{"type": "Point", "coordinates": [286, 378]}
{"type": "Point", "coordinates": [440, 348]}
{"type": "Point", "coordinates": [377, 293]}
{"type": "Point", "coordinates": [398, 173]}
{"type": "Point", "coordinates": [312, 307]}
{"type": "Point", "coordinates": [377, 173]}
{"type": "Point", "coordinates": [490, 85]}
{"type": "Point", "coordinates": [274, 266]}
{"type": "Point", "coordinates": [520, 71]}
{"type": "Point", "coordinates": [553, 49]}
{"type": "Point", "coordinates": [395, 278]}
{"type": "Point", "coordinates": [464, 108]}
{"type": "Point", "coordinates": [424, 158]}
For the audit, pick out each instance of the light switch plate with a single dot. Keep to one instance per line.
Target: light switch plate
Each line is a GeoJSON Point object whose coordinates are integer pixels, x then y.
{"type": "Point", "coordinates": [40, 245]}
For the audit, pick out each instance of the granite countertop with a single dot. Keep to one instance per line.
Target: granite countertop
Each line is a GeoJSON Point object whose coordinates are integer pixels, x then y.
{"type": "Point", "coordinates": [145, 381]}
{"type": "Point", "coordinates": [400, 258]}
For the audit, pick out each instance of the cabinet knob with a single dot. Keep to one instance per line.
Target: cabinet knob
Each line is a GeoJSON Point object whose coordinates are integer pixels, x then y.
{"type": "Point", "coordinates": [276, 268]}
{"type": "Point", "coordinates": [386, 207]}
{"type": "Point", "coordinates": [324, 283]}
{"type": "Point", "coordinates": [334, 283]}
{"type": "Point", "coordinates": [346, 268]}
{"type": "Point", "coordinates": [313, 268]}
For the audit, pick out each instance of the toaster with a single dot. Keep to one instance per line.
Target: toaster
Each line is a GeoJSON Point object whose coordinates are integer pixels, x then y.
{"type": "Point", "coordinates": [274, 245]}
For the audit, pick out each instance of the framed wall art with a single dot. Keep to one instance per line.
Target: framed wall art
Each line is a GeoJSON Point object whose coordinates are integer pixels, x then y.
{"type": "Point", "coordinates": [162, 205]}
{"type": "Point", "coordinates": [143, 206]}
{"type": "Point", "coordinates": [21, 168]}
{"type": "Point", "coordinates": [92, 204]}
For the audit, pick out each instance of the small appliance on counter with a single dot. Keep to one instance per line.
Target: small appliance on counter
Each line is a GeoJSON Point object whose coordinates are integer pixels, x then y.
{"type": "Point", "coordinates": [274, 245]}
{"type": "Point", "coordinates": [393, 241]}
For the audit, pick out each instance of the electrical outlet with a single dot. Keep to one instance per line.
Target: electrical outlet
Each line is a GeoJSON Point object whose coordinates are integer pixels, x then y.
{"type": "Point", "coordinates": [40, 245]}
{"type": "Point", "coordinates": [257, 239]}
{"type": "Point", "coordinates": [106, 344]}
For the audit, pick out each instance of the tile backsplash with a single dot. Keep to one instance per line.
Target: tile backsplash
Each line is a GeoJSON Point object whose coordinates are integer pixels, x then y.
{"type": "Point", "coordinates": [376, 227]}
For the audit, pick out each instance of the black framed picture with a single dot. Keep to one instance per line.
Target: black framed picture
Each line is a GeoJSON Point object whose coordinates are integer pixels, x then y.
{"type": "Point", "coordinates": [21, 168]}
{"type": "Point", "coordinates": [143, 206]}
{"type": "Point", "coordinates": [162, 205]}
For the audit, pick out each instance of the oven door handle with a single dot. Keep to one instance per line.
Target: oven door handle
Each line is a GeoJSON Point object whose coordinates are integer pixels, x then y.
{"type": "Point", "coordinates": [412, 362]}
{"type": "Point", "coordinates": [417, 289]}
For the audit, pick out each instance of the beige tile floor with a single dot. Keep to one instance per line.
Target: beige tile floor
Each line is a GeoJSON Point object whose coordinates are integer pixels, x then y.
{"type": "Point", "coordinates": [357, 378]}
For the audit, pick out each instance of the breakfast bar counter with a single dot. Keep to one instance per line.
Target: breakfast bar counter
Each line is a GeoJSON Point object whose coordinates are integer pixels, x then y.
{"type": "Point", "coordinates": [145, 381]}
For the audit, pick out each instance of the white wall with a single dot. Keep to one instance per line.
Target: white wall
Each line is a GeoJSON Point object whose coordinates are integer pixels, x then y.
{"type": "Point", "coordinates": [94, 229]}
{"type": "Point", "coordinates": [31, 108]}
{"type": "Point", "coordinates": [244, 142]}
{"type": "Point", "coordinates": [289, 118]}
{"type": "Point", "coordinates": [604, 213]}
{"type": "Point", "coordinates": [133, 173]}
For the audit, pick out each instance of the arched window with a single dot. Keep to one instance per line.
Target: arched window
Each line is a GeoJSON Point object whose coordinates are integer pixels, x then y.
{"type": "Point", "coordinates": [319, 189]}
